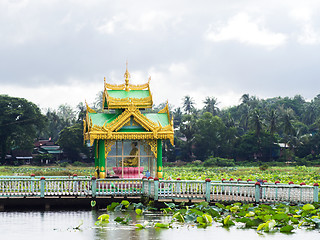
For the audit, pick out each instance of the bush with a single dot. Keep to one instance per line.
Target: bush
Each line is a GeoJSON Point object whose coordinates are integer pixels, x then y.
{"type": "Point", "coordinates": [218, 162]}
{"type": "Point", "coordinates": [263, 167]}
{"type": "Point", "coordinates": [79, 164]}
{"type": "Point", "coordinates": [63, 164]}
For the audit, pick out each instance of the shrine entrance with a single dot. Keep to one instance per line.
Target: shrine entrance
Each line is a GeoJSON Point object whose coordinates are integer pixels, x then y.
{"type": "Point", "coordinates": [131, 159]}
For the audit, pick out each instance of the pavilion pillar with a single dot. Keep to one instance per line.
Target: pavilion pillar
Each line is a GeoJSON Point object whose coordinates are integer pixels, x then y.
{"type": "Point", "coordinates": [96, 158]}
{"type": "Point", "coordinates": [159, 159]}
{"type": "Point", "coordinates": [102, 159]}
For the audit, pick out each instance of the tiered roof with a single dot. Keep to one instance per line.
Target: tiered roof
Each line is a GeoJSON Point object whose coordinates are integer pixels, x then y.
{"type": "Point", "coordinates": [127, 121]}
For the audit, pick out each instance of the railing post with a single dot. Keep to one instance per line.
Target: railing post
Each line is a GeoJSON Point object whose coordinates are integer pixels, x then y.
{"type": "Point", "coordinates": [42, 183]}
{"type": "Point", "coordinates": [289, 193]}
{"type": "Point", "coordinates": [208, 189]}
{"type": "Point", "coordinates": [257, 192]}
{"type": "Point", "coordinates": [93, 187]}
{"type": "Point", "coordinates": [276, 197]}
{"type": "Point", "coordinates": [75, 186]}
{"type": "Point", "coordinates": [301, 191]}
{"type": "Point", "coordinates": [32, 183]}
{"type": "Point", "coordinates": [143, 185]}
{"type": "Point", "coordinates": [178, 189]}
{"type": "Point", "coordinates": [149, 186]}
{"type": "Point", "coordinates": [156, 188]}
{"type": "Point", "coordinates": [315, 192]}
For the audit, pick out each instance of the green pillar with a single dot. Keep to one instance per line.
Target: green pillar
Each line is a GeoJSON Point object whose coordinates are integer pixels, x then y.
{"type": "Point", "coordinates": [102, 159]}
{"type": "Point", "coordinates": [159, 159]}
{"type": "Point", "coordinates": [96, 158]}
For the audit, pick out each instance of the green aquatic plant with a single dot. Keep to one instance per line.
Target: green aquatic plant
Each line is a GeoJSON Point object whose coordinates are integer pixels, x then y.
{"type": "Point", "coordinates": [93, 203]}
{"type": "Point", "coordinates": [139, 211]}
{"type": "Point", "coordinates": [104, 218]}
{"type": "Point", "coordinates": [123, 220]}
{"type": "Point", "coordinates": [162, 225]}
{"type": "Point", "coordinates": [279, 217]}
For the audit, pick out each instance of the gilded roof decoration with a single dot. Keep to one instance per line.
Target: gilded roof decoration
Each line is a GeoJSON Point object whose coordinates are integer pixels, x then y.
{"type": "Point", "coordinates": [129, 99]}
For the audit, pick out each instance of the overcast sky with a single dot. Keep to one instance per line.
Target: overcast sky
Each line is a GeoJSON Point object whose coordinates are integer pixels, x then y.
{"type": "Point", "coordinates": [57, 52]}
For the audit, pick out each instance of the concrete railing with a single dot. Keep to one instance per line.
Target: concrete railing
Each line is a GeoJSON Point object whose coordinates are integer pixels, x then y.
{"type": "Point", "coordinates": [156, 189]}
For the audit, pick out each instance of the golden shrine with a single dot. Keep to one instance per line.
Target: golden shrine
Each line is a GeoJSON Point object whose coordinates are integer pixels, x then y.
{"type": "Point", "coordinates": [126, 135]}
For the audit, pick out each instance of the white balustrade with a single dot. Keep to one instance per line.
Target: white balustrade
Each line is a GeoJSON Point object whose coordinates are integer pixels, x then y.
{"type": "Point", "coordinates": [159, 189]}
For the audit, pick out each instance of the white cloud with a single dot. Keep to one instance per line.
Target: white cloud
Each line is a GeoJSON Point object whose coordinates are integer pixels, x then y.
{"type": "Point", "coordinates": [144, 22]}
{"type": "Point", "coordinates": [245, 30]}
{"type": "Point", "coordinates": [110, 25]}
{"type": "Point", "coordinates": [309, 36]}
{"type": "Point", "coordinates": [301, 14]}
{"type": "Point", "coordinates": [46, 97]}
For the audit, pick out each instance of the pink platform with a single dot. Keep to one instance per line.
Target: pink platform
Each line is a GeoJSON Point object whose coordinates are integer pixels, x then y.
{"type": "Point", "coordinates": [128, 172]}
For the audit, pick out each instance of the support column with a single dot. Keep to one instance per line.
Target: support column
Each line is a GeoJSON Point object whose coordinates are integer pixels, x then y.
{"type": "Point", "coordinates": [102, 159]}
{"type": "Point", "coordinates": [159, 159]}
{"type": "Point", "coordinates": [96, 158]}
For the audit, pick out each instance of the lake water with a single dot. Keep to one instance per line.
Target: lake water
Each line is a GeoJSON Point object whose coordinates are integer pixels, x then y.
{"type": "Point", "coordinates": [60, 225]}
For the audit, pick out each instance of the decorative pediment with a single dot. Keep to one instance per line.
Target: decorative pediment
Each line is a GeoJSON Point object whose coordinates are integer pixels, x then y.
{"type": "Point", "coordinates": [125, 117]}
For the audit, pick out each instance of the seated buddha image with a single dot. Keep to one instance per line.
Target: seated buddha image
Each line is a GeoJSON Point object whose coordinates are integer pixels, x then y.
{"type": "Point", "coordinates": [133, 159]}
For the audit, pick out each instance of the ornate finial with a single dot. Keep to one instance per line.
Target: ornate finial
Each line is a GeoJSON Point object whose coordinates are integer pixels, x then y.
{"type": "Point", "coordinates": [127, 76]}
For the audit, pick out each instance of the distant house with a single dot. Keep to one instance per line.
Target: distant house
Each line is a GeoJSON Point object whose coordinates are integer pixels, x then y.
{"type": "Point", "coordinates": [22, 156]}
{"type": "Point", "coordinates": [47, 147]}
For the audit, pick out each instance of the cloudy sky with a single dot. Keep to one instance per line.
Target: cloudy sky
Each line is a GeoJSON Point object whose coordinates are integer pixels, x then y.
{"type": "Point", "coordinates": [55, 52]}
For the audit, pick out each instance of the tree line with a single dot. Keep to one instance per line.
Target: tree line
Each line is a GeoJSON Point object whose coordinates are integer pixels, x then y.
{"type": "Point", "coordinates": [273, 129]}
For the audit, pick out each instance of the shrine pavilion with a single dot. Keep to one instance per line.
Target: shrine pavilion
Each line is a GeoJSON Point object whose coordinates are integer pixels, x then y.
{"type": "Point", "coordinates": [126, 135]}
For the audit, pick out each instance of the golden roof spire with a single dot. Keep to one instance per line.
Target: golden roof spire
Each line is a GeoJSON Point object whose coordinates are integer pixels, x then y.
{"type": "Point", "coordinates": [127, 76]}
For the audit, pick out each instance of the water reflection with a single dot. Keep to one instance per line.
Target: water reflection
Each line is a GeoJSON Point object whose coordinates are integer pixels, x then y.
{"type": "Point", "coordinates": [61, 225]}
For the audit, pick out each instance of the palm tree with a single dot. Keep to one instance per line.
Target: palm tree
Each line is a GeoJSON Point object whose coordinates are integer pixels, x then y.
{"type": "Point", "coordinates": [98, 100]}
{"type": "Point", "coordinates": [177, 117]}
{"type": "Point", "coordinates": [256, 122]}
{"type": "Point", "coordinates": [244, 118]}
{"type": "Point", "coordinates": [211, 105]}
{"type": "Point", "coordinates": [245, 98]}
{"type": "Point", "coordinates": [288, 129]}
{"type": "Point", "coordinates": [272, 117]}
{"type": "Point", "coordinates": [188, 104]}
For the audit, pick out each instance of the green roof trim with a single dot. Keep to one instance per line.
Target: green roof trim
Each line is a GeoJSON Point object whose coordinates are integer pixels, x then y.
{"type": "Point", "coordinates": [55, 151]}
{"type": "Point", "coordinates": [158, 117]}
{"type": "Point", "coordinates": [128, 94]}
{"type": "Point", "coordinates": [47, 148]}
{"type": "Point", "coordinates": [100, 118]}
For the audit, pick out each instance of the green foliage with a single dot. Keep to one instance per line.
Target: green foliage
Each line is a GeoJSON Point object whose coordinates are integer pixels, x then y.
{"type": "Point", "coordinates": [139, 211]}
{"type": "Point", "coordinates": [263, 167]}
{"type": "Point", "coordinates": [218, 162]}
{"type": "Point", "coordinates": [112, 206]}
{"type": "Point", "coordinates": [264, 218]}
{"type": "Point", "coordinates": [93, 203]}
{"type": "Point", "coordinates": [102, 219]}
{"type": "Point", "coordinates": [162, 225]}
{"type": "Point", "coordinates": [71, 141]}
{"type": "Point", "coordinates": [249, 131]}
{"type": "Point", "coordinates": [123, 220]}
{"type": "Point", "coordinates": [79, 164]}
{"type": "Point", "coordinates": [20, 123]}
{"type": "Point", "coordinates": [64, 164]}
